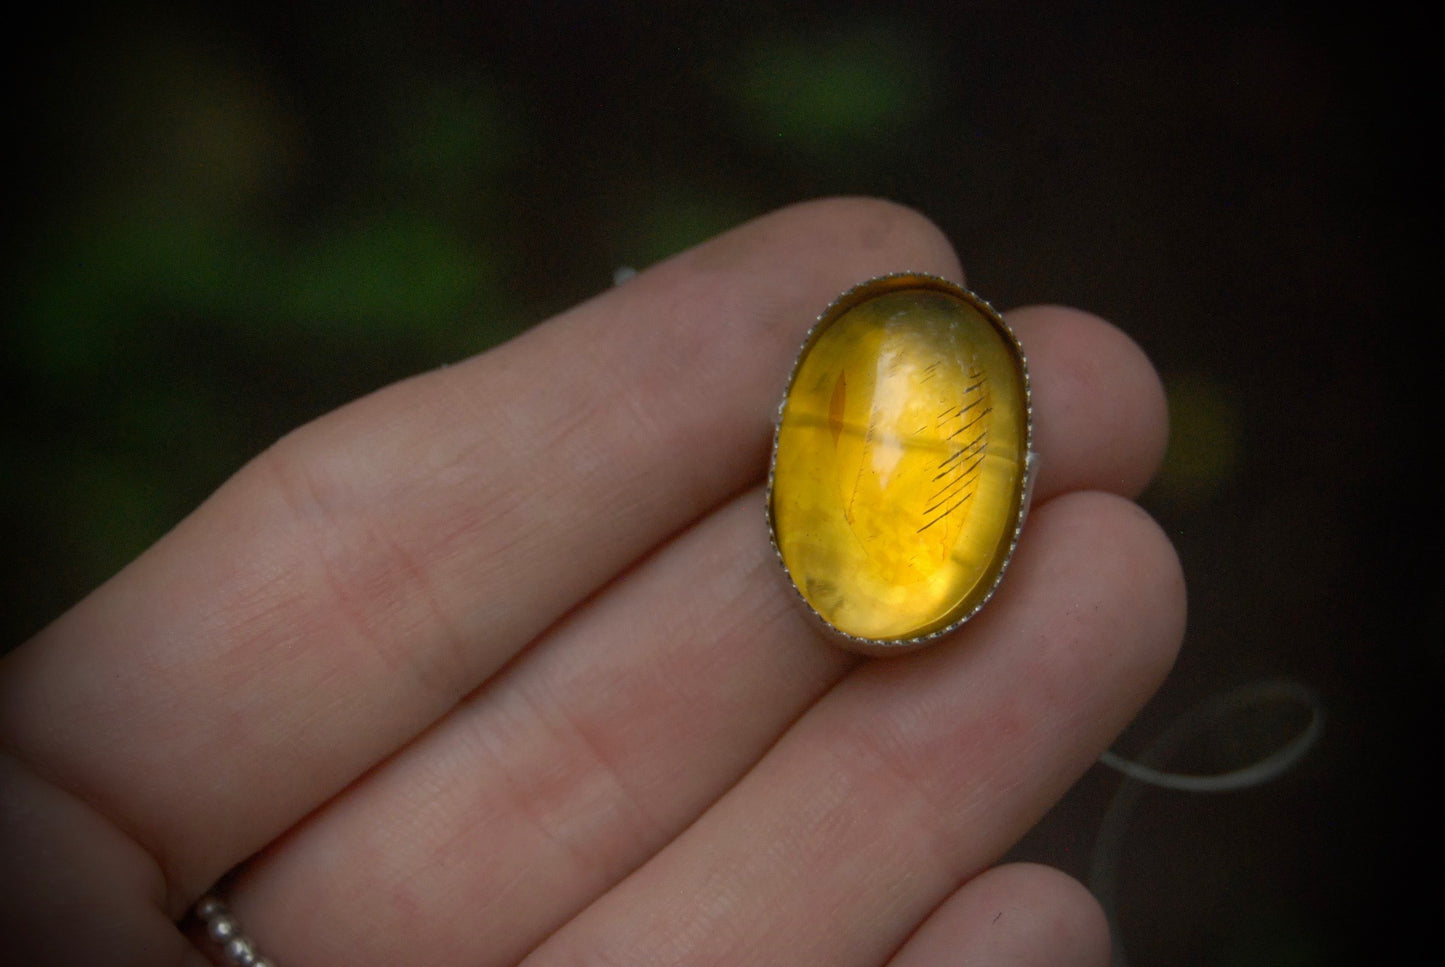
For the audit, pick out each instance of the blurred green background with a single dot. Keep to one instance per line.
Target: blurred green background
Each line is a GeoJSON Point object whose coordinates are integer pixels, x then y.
{"type": "Point", "coordinates": [228, 219]}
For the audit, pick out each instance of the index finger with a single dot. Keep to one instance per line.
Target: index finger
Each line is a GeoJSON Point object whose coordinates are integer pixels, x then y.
{"type": "Point", "coordinates": [351, 584]}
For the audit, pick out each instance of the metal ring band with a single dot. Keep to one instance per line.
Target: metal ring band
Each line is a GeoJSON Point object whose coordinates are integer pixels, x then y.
{"type": "Point", "coordinates": [221, 927]}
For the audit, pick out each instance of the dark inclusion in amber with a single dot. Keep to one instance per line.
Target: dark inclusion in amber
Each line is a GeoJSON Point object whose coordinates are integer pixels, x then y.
{"type": "Point", "coordinates": [901, 464]}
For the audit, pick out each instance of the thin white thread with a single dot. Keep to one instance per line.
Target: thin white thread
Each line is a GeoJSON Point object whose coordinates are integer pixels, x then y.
{"type": "Point", "coordinates": [1148, 772]}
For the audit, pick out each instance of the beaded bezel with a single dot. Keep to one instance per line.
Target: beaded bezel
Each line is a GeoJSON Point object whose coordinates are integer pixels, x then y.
{"type": "Point", "coordinates": [858, 294]}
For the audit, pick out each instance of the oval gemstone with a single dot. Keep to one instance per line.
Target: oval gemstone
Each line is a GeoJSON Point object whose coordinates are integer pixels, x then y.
{"type": "Point", "coordinates": [901, 462]}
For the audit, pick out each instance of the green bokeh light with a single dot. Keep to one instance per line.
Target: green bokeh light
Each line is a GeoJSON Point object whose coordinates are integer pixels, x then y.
{"type": "Point", "coordinates": [848, 88]}
{"type": "Point", "coordinates": [1205, 441]}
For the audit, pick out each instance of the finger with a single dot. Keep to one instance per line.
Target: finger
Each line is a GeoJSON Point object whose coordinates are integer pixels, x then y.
{"type": "Point", "coordinates": [1020, 915]}
{"type": "Point", "coordinates": [912, 774]}
{"type": "Point", "coordinates": [549, 785]}
{"type": "Point", "coordinates": [108, 914]}
{"type": "Point", "coordinates": [595, 748]}
{"type": "Point", "coordinates": [1099, 414]}
{"type": "Point", "coordinates": [350, 585]}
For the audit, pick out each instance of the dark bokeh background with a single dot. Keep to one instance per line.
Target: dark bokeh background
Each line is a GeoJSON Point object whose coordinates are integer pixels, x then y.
{"type": "Point", "coordinates": [225, 221]}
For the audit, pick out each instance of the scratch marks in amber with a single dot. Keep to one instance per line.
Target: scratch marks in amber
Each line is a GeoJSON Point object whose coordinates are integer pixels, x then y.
{"type": "Point", "coordinates": [967, 430]}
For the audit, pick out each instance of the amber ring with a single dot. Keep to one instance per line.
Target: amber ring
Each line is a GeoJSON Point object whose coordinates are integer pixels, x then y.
{"type": "Point", "coordinates": [902, 461]}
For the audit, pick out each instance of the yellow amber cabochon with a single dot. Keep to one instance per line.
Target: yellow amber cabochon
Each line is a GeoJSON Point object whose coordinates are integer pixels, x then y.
{"type": "Point", "coordinates": [900, 465]}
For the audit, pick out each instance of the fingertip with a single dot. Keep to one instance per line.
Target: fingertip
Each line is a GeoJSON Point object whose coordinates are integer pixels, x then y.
{"type": "Point", "coordinates": [810, 252]}
{"type": "Point", "coordinates": [896, 237]}
{"type": "Point", "coordinates": [1133, 565]}
{"type": "Point", "coordinates": [737, 307]}
{"type": "Point", "coordinates": [1068, 924]}
{"type": "Point", "coordinates": [1101, 420]}
{"type": "Point", "coordinates": [1016, 915]}
{"type": "Point", "coordinates": [1160, 584]}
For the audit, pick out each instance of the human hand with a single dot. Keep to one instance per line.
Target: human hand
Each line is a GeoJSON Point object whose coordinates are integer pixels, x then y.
{"type": "Point", "coordinates": [497, 666]}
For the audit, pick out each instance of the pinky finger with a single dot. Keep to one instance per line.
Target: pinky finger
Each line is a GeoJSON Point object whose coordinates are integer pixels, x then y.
{"type": "Point", "coordinates": [1019, 915]}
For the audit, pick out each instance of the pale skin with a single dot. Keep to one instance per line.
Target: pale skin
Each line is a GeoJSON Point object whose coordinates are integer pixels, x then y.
{"type": "Point", "coordinates": [496, 666]}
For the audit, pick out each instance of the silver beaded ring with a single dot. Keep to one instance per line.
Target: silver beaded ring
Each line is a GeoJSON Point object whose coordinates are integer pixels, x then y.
{"type": "Point", "coordinates": [221, 927]}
